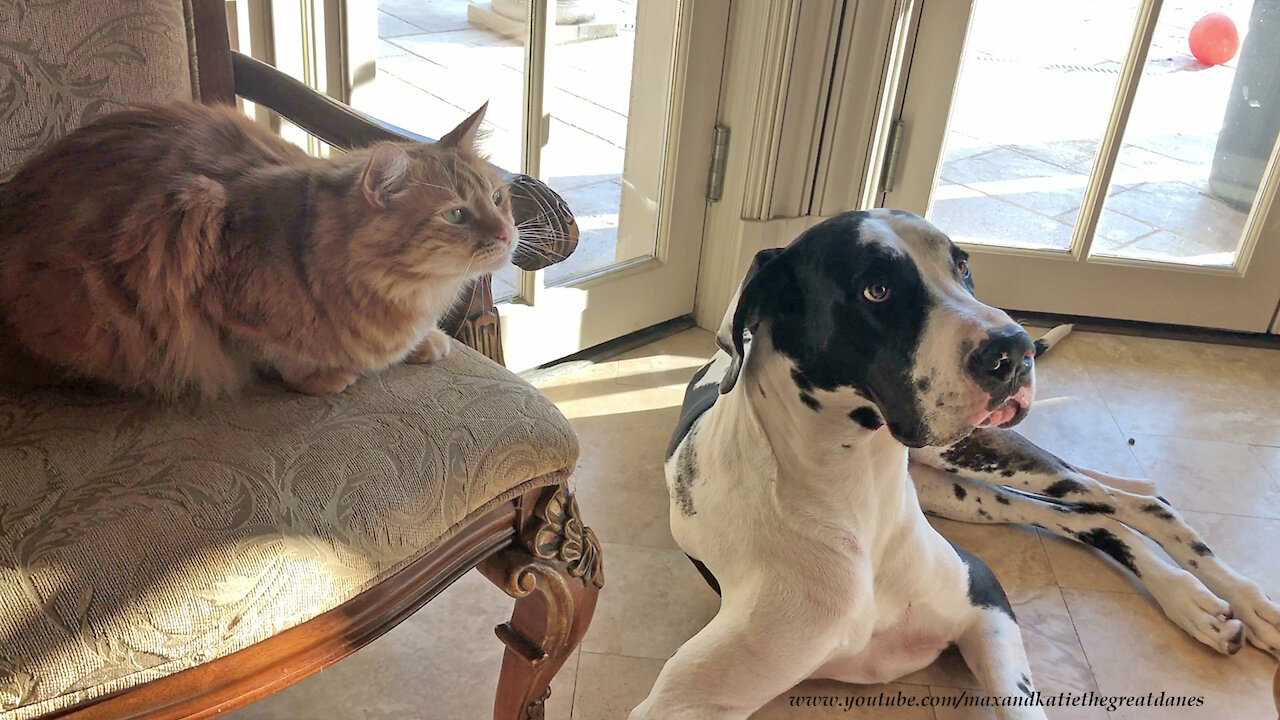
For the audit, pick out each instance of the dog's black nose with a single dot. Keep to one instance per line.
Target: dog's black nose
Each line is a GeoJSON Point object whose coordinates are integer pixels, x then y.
{"type": "Point", "coordinates": [1004, 356]}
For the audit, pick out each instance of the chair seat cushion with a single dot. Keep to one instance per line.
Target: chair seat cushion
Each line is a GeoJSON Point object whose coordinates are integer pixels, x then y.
{"type": "Point", "coordinates": [139, 539]}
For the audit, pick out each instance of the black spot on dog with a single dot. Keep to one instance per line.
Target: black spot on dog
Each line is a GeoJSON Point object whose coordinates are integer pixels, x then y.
{"type": "Point", "coordinates": [810, 401]}
{"type": "Point", "coordinates": [1201, 549]}
{"type": "Point", "coordinates": [940, 402]}
{"type": "Point", "coordinates": [1024, 685]}
{"type": "Point", "coordinates": [992, 450]}
{"type": "Point", "coordinates": [867, 417]}
{"type": "Point", "coordinates": [1106, 541]}
{"type": "Point", "coordinates": [977, 499]}
{"type": "Point", "coordinates": [1158, 510]}
{"type": "Point", "coordinates": [705, 573]}
{"type": "Point", "coordinates": [923, 384]}
{"type": "Point", "coordinates": [960, 491]}
{"type": "Point", "coordinates": [697, 400]}
{"type": "Point", "coordinates": [1093, 508]}
{"type": "Point", "coordinates": [846, 446]}
{"type": "Point", "coordinates": [802, 382]}
{"type": "Point", "coordinates": [1063, 487]}
{"type": "Point", "coordinates": [984, 589]}
{"type": "Point", "coordinates": [1003, 500]}
{"type": "Point", "coordinates": [1193, 563]}
{"type": "Point", "coordinates": [1067, 530]}
{"type": "Point", "coordinates": [984, 514]}
{"type": "Point", "coordinates": [686, 470]}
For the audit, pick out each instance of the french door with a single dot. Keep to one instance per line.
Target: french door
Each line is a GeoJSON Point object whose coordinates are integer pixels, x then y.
{"type": "Point", "coordinates": [1091, 165]}
{"type": "Point", "coordinates": [611, 102]}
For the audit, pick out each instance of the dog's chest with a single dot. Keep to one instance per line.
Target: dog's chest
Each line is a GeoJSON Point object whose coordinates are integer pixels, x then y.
{"type": "Point", "coordinates": [909, 642]}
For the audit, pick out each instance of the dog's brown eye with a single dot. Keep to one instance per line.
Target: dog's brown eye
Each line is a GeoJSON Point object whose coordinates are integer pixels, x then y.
{"type": "Point", "coordinates": [876, 293]}
{"type": "Point", "coordinates": [963, 267]}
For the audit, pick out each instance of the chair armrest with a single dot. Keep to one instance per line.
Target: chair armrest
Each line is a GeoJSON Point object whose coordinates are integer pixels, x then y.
{"type": "Point", "coordinates": [548, 232]}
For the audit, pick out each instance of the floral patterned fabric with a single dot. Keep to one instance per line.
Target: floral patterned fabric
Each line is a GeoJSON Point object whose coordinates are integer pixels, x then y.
{"type": "Point", "coordinates": [139, 539]}
{"type": "Point", "coordinates": [64, 62]}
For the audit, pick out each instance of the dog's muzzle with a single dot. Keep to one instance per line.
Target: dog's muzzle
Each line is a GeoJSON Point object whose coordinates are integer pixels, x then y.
{"type": "Point", "coordinates": [1003, 365]}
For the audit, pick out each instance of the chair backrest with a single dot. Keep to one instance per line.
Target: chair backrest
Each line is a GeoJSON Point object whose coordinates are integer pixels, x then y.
{"type": "Point", "coordinates": [64, 62]}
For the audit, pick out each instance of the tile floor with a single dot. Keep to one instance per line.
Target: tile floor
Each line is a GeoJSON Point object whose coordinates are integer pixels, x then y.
{"type": "Point", "coordinates": [1204, 422]}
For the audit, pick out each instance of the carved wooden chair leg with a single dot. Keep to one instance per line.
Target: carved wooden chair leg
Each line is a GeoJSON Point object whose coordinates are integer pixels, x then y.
{"type": "Point", "coordinates": [555, 572]}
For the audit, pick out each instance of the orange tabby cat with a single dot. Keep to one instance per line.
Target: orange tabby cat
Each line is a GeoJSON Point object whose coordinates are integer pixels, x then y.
{"type": "Point", "coordinates": [178, 249]}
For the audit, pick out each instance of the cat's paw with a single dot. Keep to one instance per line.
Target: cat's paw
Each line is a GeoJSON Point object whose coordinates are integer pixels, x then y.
{"type": "Point", "coordinates": [435, 345]}
{"type": "Point", "coordinates": [322, 382]}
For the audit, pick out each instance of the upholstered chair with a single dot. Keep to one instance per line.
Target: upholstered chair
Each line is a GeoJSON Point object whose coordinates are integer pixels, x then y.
{"type": "Point", "coordinates": [179, 560]}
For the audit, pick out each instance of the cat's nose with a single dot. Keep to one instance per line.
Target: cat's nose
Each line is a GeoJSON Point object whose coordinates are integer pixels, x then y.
{"type": "Point", "coordinates": [506, 235]}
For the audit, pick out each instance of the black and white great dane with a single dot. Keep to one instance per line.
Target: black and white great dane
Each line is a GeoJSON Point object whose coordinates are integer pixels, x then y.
{"type": "Point", "coordinates": [855, 365]}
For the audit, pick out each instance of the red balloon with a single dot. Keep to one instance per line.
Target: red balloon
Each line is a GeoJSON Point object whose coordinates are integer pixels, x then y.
{"type": "Point", "coordinates": [1214, 39]}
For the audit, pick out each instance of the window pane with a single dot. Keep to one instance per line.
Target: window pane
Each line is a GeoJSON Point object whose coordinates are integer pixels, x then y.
{"type": "Point", "coordinates": [1197, 141]}
{"type": "Point", "coordinates": [1031, 106]}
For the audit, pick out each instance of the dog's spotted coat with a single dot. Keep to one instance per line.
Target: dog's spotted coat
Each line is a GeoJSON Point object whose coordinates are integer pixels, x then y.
{"type": "Point", "coordinates": [852, 354]}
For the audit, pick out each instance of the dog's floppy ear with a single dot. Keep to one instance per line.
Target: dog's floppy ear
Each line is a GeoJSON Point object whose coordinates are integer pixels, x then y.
{"type": "Point", "coordinates": [742, 314]}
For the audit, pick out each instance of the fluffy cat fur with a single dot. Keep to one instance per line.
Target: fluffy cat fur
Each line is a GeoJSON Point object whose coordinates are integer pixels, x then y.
{"type": "Point", "coordinates": [178, 249]}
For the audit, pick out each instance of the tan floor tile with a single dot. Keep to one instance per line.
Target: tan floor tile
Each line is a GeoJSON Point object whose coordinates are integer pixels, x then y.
{"type": "Point", "coordinates": [444, 658]}
{"type": "Point", "coordinates": [1270, 457]}
{"type": "Point", "coordinates": [669, 361]}
{"type": "Point", "coordinates": [611, 685]}
{"type": "Point", "coordinates": [1184, 389]}
{"type": "Point", "coordinates": [1134, 650]}
{"type": "Point", "coordinates": [1014, 553]}
{"type": "Point", "coordinates": [620, 483]}
{"type": "Point", "coordinates": [653, 602]}
{"type": "Point", "coordinates": [1209, 476]}
{"type": "Point", "coordinates": [597, 398]}
{"type": "Point", "coordinates": [822, 699]}
{"type": "Point", "coordinates": [1081, 431]}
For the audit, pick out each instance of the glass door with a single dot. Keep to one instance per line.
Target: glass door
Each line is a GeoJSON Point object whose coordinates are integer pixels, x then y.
{"type": "Point", "coordinates": [1092, 164]}
{"type": "Point", "coordinates": [611, 102]}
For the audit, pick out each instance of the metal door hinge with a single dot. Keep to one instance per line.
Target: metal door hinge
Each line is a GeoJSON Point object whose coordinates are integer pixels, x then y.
{"type": "Point", "coordinates": [719, 155]}
{"type": "Point", "coordinates": [889, 172]}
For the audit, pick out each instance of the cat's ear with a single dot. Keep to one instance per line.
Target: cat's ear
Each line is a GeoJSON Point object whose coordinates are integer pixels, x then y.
{"type": "Point", "coordinates": [385, 174]}
{"type": "Point", "coordinates": [464, 136]}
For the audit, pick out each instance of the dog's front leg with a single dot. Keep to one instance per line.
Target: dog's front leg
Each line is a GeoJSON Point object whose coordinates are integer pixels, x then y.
{"type": "Point", "coordinates": [1003, 457]}
{"type": "Point", "coordinates": [992, 648]}
{"type": "Point", "coordinates": [748, 654]}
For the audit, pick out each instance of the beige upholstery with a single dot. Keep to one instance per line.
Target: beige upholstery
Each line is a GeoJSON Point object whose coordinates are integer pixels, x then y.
{"type": "Point", "coordinates": [63, 62]}
{"type": "Point", "coordinates": [137, 540]}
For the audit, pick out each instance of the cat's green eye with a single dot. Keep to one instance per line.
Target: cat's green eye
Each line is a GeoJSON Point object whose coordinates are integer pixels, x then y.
{"type": "Point", "coordinates": [497, 196]}
{"type": "Point", "coordinates": [454, 216]}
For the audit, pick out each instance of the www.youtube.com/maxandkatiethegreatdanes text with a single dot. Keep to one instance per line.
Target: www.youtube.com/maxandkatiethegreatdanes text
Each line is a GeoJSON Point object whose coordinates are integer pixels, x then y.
{"type": "Point", "coordinates": [965, 699]}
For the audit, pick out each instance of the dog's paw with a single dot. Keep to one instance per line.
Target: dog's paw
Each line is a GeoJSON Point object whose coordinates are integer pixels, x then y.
{"type": "Point", "coordinates": [1205, 616]}
{"type": "Point", "coordinates": [1260, 615]}
{"type": "Point", "coordinates": [434, 345]}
